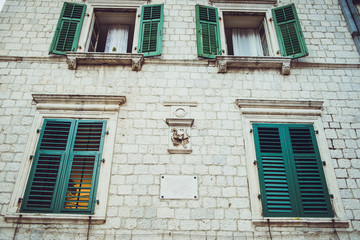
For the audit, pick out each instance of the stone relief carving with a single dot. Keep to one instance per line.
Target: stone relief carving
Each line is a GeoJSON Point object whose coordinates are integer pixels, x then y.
{"type": "Point", "coordinates": [180, 137]}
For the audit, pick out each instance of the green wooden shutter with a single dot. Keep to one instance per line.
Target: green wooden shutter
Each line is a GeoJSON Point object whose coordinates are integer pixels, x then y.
{"type": "Point", "coordinates": [288, 29]}
{"type": "Point", "coordinates": [276, 193]}
{"type": "Point", "coordinates": [83, 167]}
{"type": "Point", "coordinates": [207, 31]}
{"type": "Point", "coordinates": [48, 163]}
{"type": "Point", "coordinates": [151, 30]}
{"type": "Point", "coordinates": [292, 181]}
{"type": "Point", "coordinates": [305, 161]}
{"type": "Point", "coordinates": [68, 29]}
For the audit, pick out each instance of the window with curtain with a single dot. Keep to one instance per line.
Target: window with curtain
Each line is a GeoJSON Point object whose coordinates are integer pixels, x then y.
{"type": "Point", "coordinates": [112, 31]}
{"type": "Point", "coordinates": [245, 34]}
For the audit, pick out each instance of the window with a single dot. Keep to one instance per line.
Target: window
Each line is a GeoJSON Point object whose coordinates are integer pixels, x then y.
{"type": "Point", "coordinates": [288, 160]}
{"type": "Point", "coordinates": [245, 34]}
{"type": "Point", "coordinates": [112, 29]}
{"type": "Point", "coordinates": [65, 169]}
{"type": "Point", "coordinates": [291, 177]}
{"type": "Point", "coordinates": [246, 31]}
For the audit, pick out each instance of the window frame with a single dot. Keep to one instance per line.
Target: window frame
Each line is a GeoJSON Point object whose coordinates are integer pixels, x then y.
{"type": "Point", "coordinates": [269, 27]}
{"type": "Point", "coordinates": [89, 19]}
{"type": "Point", "coordinates": [289, 112]}
{"type": "Point", "coordinates": [64, 106]}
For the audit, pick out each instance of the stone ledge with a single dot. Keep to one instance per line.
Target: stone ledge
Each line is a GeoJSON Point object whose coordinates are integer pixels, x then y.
{"type": "Point", "coordinates": [225, 62]}
{"type": "Point", "coordinates": [302, 222]}
{"type": "Point", "coordinates": [135, 60]}
{"type": "Point", "coordinates": [245, 1]}
{"type": "Point", "coordinates": [181, 122]}
{"type": "Point", "coordinates": [78, 102]}
{"type": "Point", "coordinates": [53, 218]}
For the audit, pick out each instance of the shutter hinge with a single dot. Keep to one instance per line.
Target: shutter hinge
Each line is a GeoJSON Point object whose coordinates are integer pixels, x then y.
{"type": "Point", "coordinates": [20, 200]}
{"type": "Point", "coordinates": [86, 14]}
{"type": "Point", "coordinates": [38, 130]}
{"type": "Point", "coordinates": [271, 19]}
{"type": "Point", "coordinates": [251, 130]}
{"type": "Point", "coordinates": [323, 163]}
{"type": "Point", "coordinates": [255, 162]}
{"type": "Point", "coordinates": [107, 132]}
{"type": "Point", "coordinates": [259, 196]}
{"type": "Point", "coordinates": [331, 196]}
{"type": "Point", "coordinates": [97, 202]}
{"type": "Point", "coordinates": [316, 131]}
{"type": "Point", "coordinates": [31, 157]}
{"type": "Point", "coordinates": [103, 160]}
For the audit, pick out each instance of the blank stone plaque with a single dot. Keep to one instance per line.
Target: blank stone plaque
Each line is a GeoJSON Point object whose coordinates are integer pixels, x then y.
{"type": "Point", "coordinates": [178, 187]}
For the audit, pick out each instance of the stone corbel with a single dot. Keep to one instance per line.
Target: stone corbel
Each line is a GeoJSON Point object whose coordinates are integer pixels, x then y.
{"type": "Point", "coordinates": [222, 66]}
{"type": "Point", "coordinates": [136, 64]}
{"type": "Point", "coordinates": [285, 68]}
{"type": "Point", "coordinates": [72, 63]}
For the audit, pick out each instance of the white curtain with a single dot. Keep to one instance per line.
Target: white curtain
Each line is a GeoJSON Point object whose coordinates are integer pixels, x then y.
{"type": "Point", "coordinates": [246, 42]}
{"type": "Point", "coordinates": [117, 38]}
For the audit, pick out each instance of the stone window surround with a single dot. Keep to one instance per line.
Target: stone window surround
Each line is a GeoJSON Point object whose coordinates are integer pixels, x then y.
{"type": "Point", "coordinates": [274, 60]}
{"type": "Point", "coordinates": [288, 111]}
{"type": "Point", "coordinates": [68, 106]}
{"type": "Point", "coordinates": [81, 56]}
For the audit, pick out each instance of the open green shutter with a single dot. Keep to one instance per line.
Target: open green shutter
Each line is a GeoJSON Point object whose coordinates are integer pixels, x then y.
{"type": "Point", "coordinates": [151, 28]}
{"type": "Point", "coordinates": [68, 29]}
{"type": "Point", "coordinates": [207, 31]}
{"type": "Point", "coordinates": [48, 164]}
{"type": "Point", "coordinates": [288, 29]}
{"type": "Point", "coordinates": [310, 184]}
{"type": "Point", "coordinates": [276, 193]}
{"type": "Point", "coordinates": [81, 178]}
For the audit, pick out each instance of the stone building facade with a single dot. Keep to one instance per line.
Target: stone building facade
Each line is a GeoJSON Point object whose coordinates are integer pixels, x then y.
{"type": "Point", "coordinates": [181, 153]}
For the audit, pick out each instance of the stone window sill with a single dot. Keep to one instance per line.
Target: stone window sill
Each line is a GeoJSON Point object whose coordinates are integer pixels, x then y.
{"type": "Point", "coordinates": [245, 1]}
{"type": "Point", "coordinates": [302, 222]}
{"type": "Point", "coordinates": [76, 58]}
{"type": "Point", "coordinates": [42, 218]}
{"type": "Point", "coordinates": [225, 62]}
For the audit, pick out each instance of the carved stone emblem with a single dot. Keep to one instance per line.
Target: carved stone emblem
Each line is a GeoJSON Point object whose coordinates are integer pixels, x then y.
{"type": "Point", "coordinates": [180, 137]}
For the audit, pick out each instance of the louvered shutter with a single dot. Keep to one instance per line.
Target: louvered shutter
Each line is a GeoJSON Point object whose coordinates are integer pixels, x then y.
{"type": "Point", "coordinates": [291, 177]}
{"type": "Point", "coordinates": [83, 167]}
{"type": "Point", "coordinates": [288, 29]}
{"type": "Point", "coordinates": [207, 31]}
{"type": "Point", "coordinates": [276, 194]}
{"type": "Point", "coordinates": [48, 164]}
{"type": "Point", "coordinates": [151, 28]}
{"type": "Point", "coordinates": [305, 161]}
{"type": "Point", "coordinates": [68, 29]}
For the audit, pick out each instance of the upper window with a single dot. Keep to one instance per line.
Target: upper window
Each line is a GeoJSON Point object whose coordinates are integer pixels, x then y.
{"type": "Point", "coordinates": [291, 176]}
{"type": "Point", "coordinates": [248, 32]}
{"type": "Point", "coordinates": [65, 169]}
{"type": "Point", "coordinates": [111, 30]}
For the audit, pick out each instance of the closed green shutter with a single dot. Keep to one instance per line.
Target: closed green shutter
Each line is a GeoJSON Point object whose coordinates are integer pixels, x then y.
{"type": "Point", "coordinates": [68, 29]}
{"type": "Point", "coordinates": [65, 171]}
{"type": "Point", "coordinates": [151, 30]}
{"type": "Point", "coordinates": [291, 177]}
{"type": "Point", "coordinates": [288, 29]}
{"type": "Point", "coordinates": [44, 178]}
{"type": "Point", "coordinates": [207, 31]}
{"type": "Point", "coordinates": [83, 167]}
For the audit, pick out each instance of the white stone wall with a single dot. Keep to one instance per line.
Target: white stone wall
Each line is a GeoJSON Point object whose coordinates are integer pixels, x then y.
{"type": "Point", "coordinates": [223, 209]}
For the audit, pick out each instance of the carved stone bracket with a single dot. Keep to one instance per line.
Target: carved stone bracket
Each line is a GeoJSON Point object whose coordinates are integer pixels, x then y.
{"type": "Point", "coordinates": [225, 62]}
{"type": "Point", "coordinates": [135, 60]}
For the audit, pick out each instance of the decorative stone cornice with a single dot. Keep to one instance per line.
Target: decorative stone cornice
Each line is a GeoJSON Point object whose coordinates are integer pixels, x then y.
{"type": "Point", "coordinates": [78, 102]}
{"type": "Point", "coordinates": [279, 107]}
{"type": "Point", "coordinates": [225, 62]}
{"type": "Point", "coordinates": [76, 58]}
{"type": "Point", "coordinates": [183, 122]}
